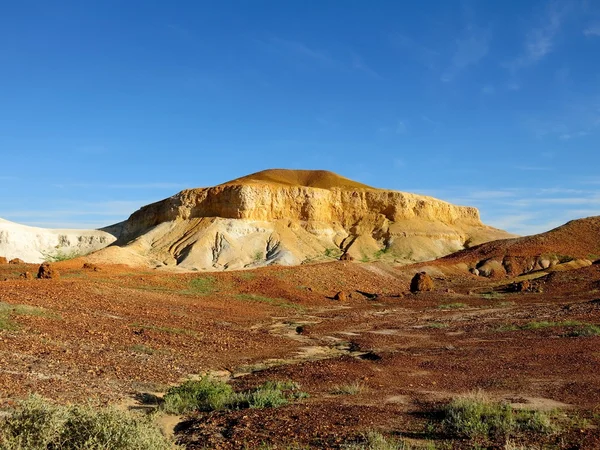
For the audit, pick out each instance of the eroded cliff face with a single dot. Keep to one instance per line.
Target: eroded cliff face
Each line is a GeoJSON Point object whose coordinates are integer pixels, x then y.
{"type": "Point", "coordinates": [346, 208]}
{"type": "Point", "coordinates": [256, 221]}
{"type": "Point", "coordinates": [34, 245]}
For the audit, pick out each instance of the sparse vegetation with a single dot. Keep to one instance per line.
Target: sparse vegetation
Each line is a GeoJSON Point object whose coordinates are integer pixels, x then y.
{"type": "Point", "coordinates": [453, 306]}
{"type": "Point", "coordinates": [347, 389]}
{"type": "Point", "coordinates": [436, 325]}
{"type": "Point", "coordinates": [206, 394]}
{"type": "Point", "coordinates": [271, 301]}
{"type": "Point", "coordinates": [40, 425]}
{"type": "Point", "coordinates": [60, 255]}
{"type": "Point", "coordinates": [209, 394]}
{"type": "Point", "coordinates": [374, 440]}
{"type": "Point", "coordinates": [379, 253]}
{"type": "Point", "coordinates": [585, 331]}
{"type": "Point", "coordinates": [476, 417]}
{"type": "Point", "coordinates": [201, 286]}
{"type": "Point", "coordinates": [140, 348]}
{"type": "Point", "coordinates": [258, 255]}
{"type": "Point", "coordinates": [332, 252]}
{"type": "Point", "coordinates": [7, 310]}
{"type": "Point", "coordinates": [492, 295]}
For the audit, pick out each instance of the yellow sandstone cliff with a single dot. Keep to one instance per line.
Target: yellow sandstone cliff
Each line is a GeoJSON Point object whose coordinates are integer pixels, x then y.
{"type": "Point", "coordinates": [290, 217]}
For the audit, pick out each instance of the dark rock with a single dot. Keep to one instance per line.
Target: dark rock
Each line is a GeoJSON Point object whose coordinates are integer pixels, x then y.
{"type": "Point", "coordinates": [346, 257]}
{"type": "Point", "coordinates": [421, 282]}
{"type": "Point", "coordinates": [47, 271]}
{"type": "Point", "coordinates": [341, 296]}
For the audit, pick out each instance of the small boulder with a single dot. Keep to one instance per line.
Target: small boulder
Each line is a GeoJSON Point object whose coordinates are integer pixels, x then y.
{"type": "Point", "coordinates": [346, 257]}
{"type": "Point", "coordinates": [3, 260]}
{"type": "Point", "coordinates": [421, 282]}
{"type": "Point", "coordinates": [341, 296]}
{"type": "Point", "coordinates": [26, 276]}
{"type": "Point", "coordinates": [16, 261]}
{"type": "Point", "coordinates": [47, 271]}
{"type": "Point", "coordinates": [523, 286]}
{"type": "Point", "coordinates": [90, 266]}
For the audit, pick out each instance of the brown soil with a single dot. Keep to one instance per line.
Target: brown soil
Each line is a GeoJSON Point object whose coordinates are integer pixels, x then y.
{"type": "Point", "coordinates": [116, 333]}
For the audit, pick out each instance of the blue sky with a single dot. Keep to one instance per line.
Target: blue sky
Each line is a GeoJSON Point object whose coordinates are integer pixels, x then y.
{"type": "Point", "coordinates": [110, 105]}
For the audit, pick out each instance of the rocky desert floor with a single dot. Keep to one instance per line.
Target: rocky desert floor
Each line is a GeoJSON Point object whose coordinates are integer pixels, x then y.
{"type": "Point", "coordinates": [382, 360]}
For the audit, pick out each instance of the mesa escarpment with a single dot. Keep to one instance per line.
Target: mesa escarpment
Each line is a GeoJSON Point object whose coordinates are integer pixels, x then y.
{"type": "Point", "coordinates": [292, 216]}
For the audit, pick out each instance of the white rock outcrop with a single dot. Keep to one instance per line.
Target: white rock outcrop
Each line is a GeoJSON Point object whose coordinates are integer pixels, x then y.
{"type": "Point", "coordinates": [35, 245]}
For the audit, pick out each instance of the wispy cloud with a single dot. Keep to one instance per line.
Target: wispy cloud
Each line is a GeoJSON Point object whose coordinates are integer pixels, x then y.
{"type": "Point", "coordinates": [488, 89]}
{"type": "Point", "coordinates": [539, 41]}
{"type": "Point", "coordinates": [359, 65]}
{"type": "Point", "coordinates": [72, 214]}
{"type": "Point", "coordinates": [401, 127]}
{"type": "Point", "coordinates": [425, 55]}
{"type": "Point", "coordinates": [592, 30]}
{"type": "Point", "coordinates": [300, 50]}
{"type": "Point", "coordinates": [526, 210]}
{"type": "Point", "coordinates": [469, 50]}
{"type": "Point", "coordinates": [533, 168]}
{"type": "Point", "coordinates": [575, 135]}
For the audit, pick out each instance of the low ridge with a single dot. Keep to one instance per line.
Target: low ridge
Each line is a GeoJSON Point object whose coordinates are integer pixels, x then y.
{"type": "Point", "coordinates": [575, 243]}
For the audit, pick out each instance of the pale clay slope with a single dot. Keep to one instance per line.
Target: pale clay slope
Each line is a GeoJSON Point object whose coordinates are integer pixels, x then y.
{"type": "Point", "coordinates": [34, 245]}
{"type": "Point", "coordinates": [290, 217]}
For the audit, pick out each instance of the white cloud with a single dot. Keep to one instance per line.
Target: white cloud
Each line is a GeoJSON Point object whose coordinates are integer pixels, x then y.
{"type": "Point", "coordinates": [470, 49]}
{"type": "Point", "coordinates": [539, 41]}
{"type": "Point", "coordinates": [592, 30]}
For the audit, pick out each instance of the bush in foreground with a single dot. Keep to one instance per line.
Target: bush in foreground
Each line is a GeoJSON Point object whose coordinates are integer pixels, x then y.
{"type": "Point", "coordinates": [476, 417]}
{"type": "Point", "coordinates": [209, 394]}
{"type": "Point", "coordinates": [40, 425]}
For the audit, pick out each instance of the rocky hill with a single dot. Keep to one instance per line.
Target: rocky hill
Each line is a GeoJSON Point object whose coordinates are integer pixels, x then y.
{"type": "Point", "coordinates": [572, 245]}
{"type": "Point", "coordinates": [290, 217]}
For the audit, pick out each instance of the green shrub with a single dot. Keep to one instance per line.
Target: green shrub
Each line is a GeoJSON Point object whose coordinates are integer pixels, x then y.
{"type": "Point", "coordinates": [200, 286]}
{"type": "Point", "coordinates": [206, 394]}
{"type": "Point", "coordinates": [476, 417]}
{"type": "Point", "coordinates": [270, 394]}
{"type": "Point", "coordinates": [585, 331]}
{"type": "Point", "coordinates": [452, 306]}
{"type": "Point", "coordinates": [347, 389]}
{"type": "Point", "coordinates": [40, 425]}
{"type": "Point", "coordinates": [60, 255]}
{"type": "Point", "coordinates": [374, 440]}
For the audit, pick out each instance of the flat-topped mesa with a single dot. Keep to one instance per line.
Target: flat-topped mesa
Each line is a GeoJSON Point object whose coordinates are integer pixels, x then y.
{"type": "Point", "coordinates": [295, 216]}
{"type": "Point", "coordinates": [269, 200]}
